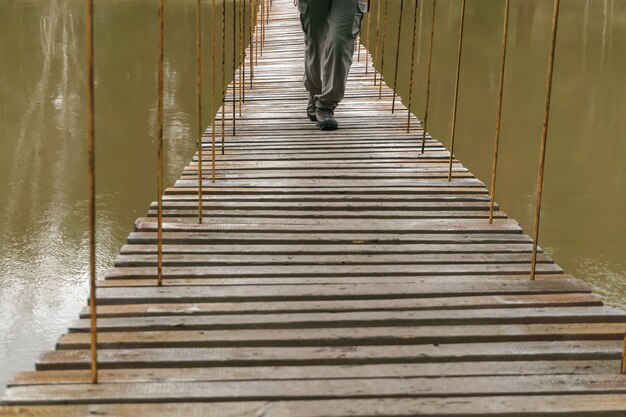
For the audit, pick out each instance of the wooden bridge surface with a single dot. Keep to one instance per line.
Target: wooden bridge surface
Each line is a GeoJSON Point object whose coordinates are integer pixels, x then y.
{"type": "Point", "coordinates": [335, 274]}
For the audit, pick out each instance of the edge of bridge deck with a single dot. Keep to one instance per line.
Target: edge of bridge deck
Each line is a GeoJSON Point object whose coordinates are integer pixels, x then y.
{"type": "Point", "coordinates": [335, 274]}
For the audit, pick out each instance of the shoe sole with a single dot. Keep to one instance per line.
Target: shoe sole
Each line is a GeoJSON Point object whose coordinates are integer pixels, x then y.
{"type": "Point", "coordinates": [331, 126]}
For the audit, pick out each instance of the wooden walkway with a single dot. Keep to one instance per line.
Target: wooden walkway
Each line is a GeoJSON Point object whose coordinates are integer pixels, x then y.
{"type": "Point", "coordinates": [336, 274]}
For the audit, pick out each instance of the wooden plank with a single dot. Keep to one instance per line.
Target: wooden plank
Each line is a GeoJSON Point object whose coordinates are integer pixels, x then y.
{"type": "Point", "coordinates": [362, 319]}
{"type": "Point", "coordinates": [589, 405]}
{"type": "Point", "coordinates": [399, 370]}
{"type": "Point", "coordinates": [414, 335]}
{"type": "Point", "coordinates": [324, 389]}
{"type": "Point", "coordinates": [471, 302]}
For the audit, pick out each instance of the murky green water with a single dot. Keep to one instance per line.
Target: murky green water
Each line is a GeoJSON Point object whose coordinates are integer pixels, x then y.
{"type": "Point", "coordinates": [43, 242]}
{"type": "Point", "coordinates": [583, 220]}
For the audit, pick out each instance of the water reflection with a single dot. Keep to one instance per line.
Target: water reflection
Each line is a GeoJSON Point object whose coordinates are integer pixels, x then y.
{"type": "Point", "coordinates": [583, 224]}
{"type": "Point", "coordinates": [43, 241]}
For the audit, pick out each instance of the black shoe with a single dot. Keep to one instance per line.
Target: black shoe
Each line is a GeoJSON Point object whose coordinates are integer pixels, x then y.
{"type": "Point", "coordinates": [326, 119]}
{"type": "Point", "coordinates": [310, 109]}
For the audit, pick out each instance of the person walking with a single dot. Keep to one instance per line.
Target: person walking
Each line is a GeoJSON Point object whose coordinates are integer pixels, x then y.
{"type": "Point", "coordinates": [330, 28]}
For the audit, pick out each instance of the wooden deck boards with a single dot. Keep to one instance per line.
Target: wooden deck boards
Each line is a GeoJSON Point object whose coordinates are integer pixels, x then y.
{"type": "Point", "coordinates": [335, 274]}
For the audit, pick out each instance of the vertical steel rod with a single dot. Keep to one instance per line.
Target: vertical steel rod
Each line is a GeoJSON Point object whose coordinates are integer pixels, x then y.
{"type": "Point", "coordinates": [395, 76]}
{"type": "Point", "coordinates": [256, 30]}
{"type": "Point", "coordinates": [408, 119]}
{"type": "Point", "coordinates": [496, 146]}
{"type": "Point", "coordinates": [456, 90]}
{"type": "Point", "coordinates": [235, 52]}
{"type": "Point", "coordinates": [242, 44]}
{"type": "Point", "coordinates": [382, 54]}
{"type": "Point", "coordinates": [160, 81]}
{"type": "Point", "coordinates": [262, 27]}
{"type": "Point", "coordinates": [223, 89]}
{"type": "Point", "coordinates": [544, 137]}
{"type": "Point", "coordinates": [358, 45]}
{"type": "Point", "coordinates": [376, 45]}
{"type": "Point", "coordinates": [252, 50]}
{"type": "Point", "coordinates": [623, 370]}
{"type": "Point", "coordinates": [367, 39]}
{"type": "Point", "coordinates": [242, 58]}
{"type": "Point", "coordinates": [212, 98]}
{"type": "Point", "coordinates": [199, 101]}
{"type": "Point", "coordinates": [91, 180]}
{"type": "Point", "coordinates": [428, 77]}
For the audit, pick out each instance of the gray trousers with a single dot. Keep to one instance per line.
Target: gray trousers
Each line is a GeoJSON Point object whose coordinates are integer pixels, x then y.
{"type": "Point", "coordinates": [330, 29]}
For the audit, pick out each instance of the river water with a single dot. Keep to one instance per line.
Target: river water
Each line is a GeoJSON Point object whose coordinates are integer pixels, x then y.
{"type": "Point", "coordinates": [43, 239]}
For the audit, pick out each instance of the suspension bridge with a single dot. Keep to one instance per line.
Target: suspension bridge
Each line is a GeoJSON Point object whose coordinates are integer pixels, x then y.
{"type": "Point", "coordinates": [309, 273]}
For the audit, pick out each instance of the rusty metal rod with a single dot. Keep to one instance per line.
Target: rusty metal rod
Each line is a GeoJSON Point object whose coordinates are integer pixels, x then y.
{"type": "Point", "coordinates": [199, 102]}
{"type": "Point", "coordinates": [160, 81]}
{"type": "Point", "coordinates": [496, 146]}
{"type": "Point", "coordinates": [223, 89]}
{"type": "Point", "coordinates": [91, 181]}
{"type": "Point", "coordinates": [241, 55]}
{"type": "Point", "coordinates": [455, 108]}
{"type": "Point", "coordinates": [382, 54]}
{"type": "Point", "coordinates": [623, 370]}
{"type": "Point", "coordinates": [395, 76]}
{"type": "Point", "coordinates": [367, 39]}
{"type": "Point", "coordinates": [428, 77]}
{"type": "Point", "coordinates": [252, 50]}
{"type": "Point", "coordinates": [410, 104]}
{"type": "Point", "coordinates": [235, 51]}
{"type": "Point", "coordinates": [376, 45]}
{"type": "Point", "coordinates": [212, 98]}
{"type": "Point", "coordinates": [544, 136]}
{"type": "Point", "coordinates": [242, 51]}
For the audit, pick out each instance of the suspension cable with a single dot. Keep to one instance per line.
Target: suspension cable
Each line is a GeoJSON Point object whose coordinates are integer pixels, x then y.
{"type": "Point", "coordinates": [428, 77]}
{"type": "Point", "coordinates": [544, 136]}
{"type": "Point", "coordinates": [410, 104]}
{"type": "Point", "coordinates": [456, 90]}
{"type": "Point", "coordinates": [242, 53]}
{"type": "Point", "coordinates": [160, 82]}
{"type": "Point", "coordinates": [367, 39]}
{"type": "Point", "coordinates": [376, 45]}
{"type": "Point", "coordinates": [91, 181]}
{"type": "Point", "coordinates": [235, 51]}
{"type": "Point", "coordinates": [223, 89]}
{"type": "Point", "coordinates": [395, 76]}
{"type": "Point", "coordinates": [213, 113]}
{"type": "Point", "coordinates": [496, 146]}
{"type": "Point", "coordinates": [199, 102]}
{"type": "Point", "coordinates": [382, 54]}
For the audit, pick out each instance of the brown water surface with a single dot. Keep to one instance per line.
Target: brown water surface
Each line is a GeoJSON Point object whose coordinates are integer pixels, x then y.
{"type": "Point", "coordinates": [43, 240]}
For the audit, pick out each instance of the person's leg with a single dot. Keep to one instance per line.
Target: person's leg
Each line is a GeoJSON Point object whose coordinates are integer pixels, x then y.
{"type": "Point", "coordinates": [344, 25]}
{"type": "Point", "coordinates": [314, 16]}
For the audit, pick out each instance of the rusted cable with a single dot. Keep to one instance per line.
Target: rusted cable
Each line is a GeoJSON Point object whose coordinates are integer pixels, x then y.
{"type": "Point", "coordinates": [91, 181]}
{"type": "Point", "coordinates": [160, 81]}
{"type": "Point", "coordinates": [376, 45]}
{"type": "Point", "coordinates": [408, 119]}
{"type": "Point", "coordinates": [496, 146]}
{"type": "Point", "coordinates": [544, 136]}
{"type": "Point", "coordinates": [395, 76]}
{"type": "Point", "coordinates": [455, 108]}
{"type": "Point", "coordinates": [428, 77]}
{"type": "Point", "coordinates": [223, 89]}
{"type": "Point", "coordinates": [242, 58]}
{"type": "Point", "coordinates": [252, 46]}
{"type": "Point", "coordinates": [235, 52]}
{"type": "Point", "coordinates": [623, 370]}
{"type": "Point", "coordinates": [213, 113]}
{"type": "Point", "coordinates": [382, 54]}
{"type": "Point", "coordinates": [367, 39]}
{"type": "Point", "coordinates": [199, 102]}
